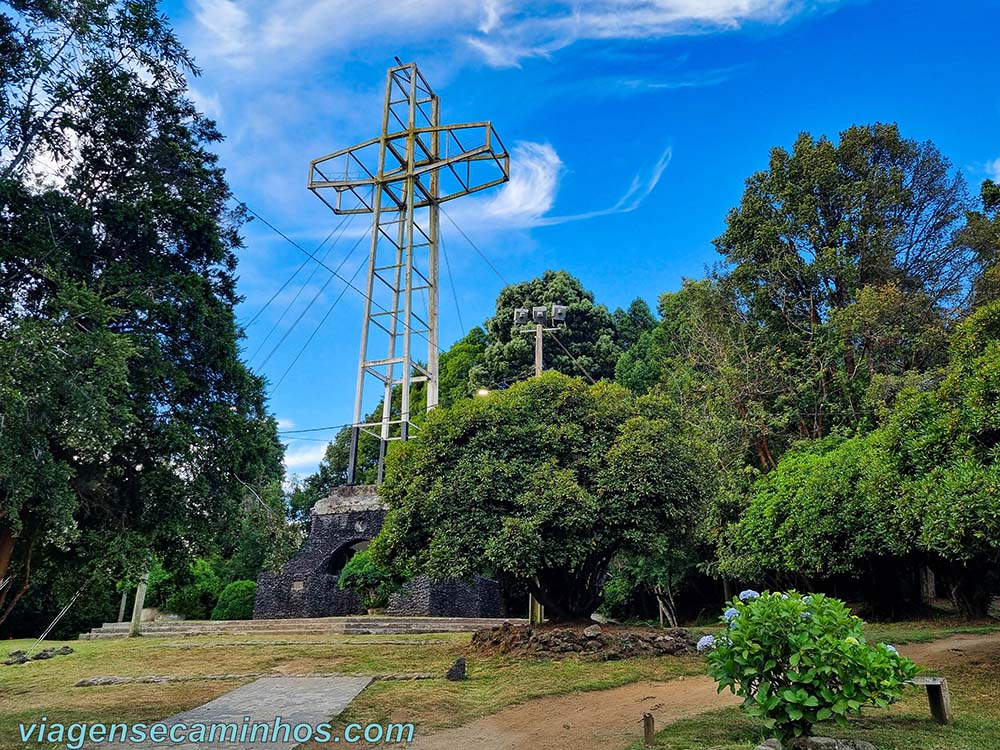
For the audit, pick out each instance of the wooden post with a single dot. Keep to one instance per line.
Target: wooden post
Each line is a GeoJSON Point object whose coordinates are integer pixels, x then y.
{"type": "Point", "coordinates": [940, 701]}
{"type": "Point", "coordinates": [140, 598]}
{"type": "Point", "coordinates": [648, 730]}
{"type": "Point", "coordinates": [938, 697]}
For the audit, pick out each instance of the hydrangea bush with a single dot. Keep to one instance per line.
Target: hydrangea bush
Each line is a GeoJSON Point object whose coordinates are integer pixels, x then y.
{"type": "Point", "coordinates": [797, 660]}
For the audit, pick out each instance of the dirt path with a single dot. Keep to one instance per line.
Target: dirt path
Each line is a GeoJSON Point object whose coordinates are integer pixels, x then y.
{"type": "Point", "coordinates": [955, 649]}
{"type": "Point", "coordinates": [595, 720]}
{"type": "Point", "coordinates": [609, 719]}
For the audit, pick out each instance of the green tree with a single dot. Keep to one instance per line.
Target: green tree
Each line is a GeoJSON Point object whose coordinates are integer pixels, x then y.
{"type": "Point", "coordinates": [589, 334]}
{"type": "Point", "coordinates": [372, 582]}
{"type": "Point", "coordinates": [823, 225]}
{"type": "Point", "coordinates": [982, 235]}
{"type": "Point", "coordinates": [138, 221]}
{"type": "Point", "coordinates": [540, 485]}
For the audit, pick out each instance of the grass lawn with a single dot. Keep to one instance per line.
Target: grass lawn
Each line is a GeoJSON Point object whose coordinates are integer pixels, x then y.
{"type": "Point", "coordinates": [46, 688]}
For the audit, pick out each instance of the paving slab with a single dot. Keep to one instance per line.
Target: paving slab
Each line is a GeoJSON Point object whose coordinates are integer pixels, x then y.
{"type": "Point", "coordinates": [296, 700]}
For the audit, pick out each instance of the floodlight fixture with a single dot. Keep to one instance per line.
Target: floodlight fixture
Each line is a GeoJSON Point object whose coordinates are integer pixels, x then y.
{"type": "Point", "coordinates": [539, 314]}
{"type": "Point", "coordinates": [559, 313]}
{"type": "Point", "coordinates": [521, 316]}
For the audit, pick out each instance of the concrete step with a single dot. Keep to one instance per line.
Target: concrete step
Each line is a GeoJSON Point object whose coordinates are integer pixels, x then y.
{"type": "Point", "coordinates": [357, 625]}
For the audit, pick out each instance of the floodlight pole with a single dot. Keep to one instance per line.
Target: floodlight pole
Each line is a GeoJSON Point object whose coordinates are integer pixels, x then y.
{"type": "Point", "coordinates": [538, 348]}
{"type": "Point", "coordinates": [541, 315]}
{"type": "Point", "coordinates": [401, 177]}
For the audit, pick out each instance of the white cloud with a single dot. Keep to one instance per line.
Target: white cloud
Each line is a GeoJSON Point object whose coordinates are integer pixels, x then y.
{"type": "Point", "coordinates": [284, 32]}
{"type": "Point", "coordinates": [209, 105]}
{"type": "Point", "coordinates": [535, 173]}
{"type": "Point", "coordinates": [642, 185]}
{"type": "Point", "coordinates": [304, 456]}
{"type": "Point", "coordinates": [526, 201]}
{"type": "Point", "coordinates": [992, 169]}
{"type": "Point", "coordinates": [285, 424]}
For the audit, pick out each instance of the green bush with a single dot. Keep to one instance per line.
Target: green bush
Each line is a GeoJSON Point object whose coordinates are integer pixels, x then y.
{"type": "Point", "coordinates": [374, 583]}
{"type": "Point", "coordinates": [236, 601]}
{"type": "Point", "coordinates": [797, 660]}
{"type": "Point", "coordinates": [196, 598]}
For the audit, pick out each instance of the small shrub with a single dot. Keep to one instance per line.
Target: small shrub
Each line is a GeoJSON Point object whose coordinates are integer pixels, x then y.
{"type": "Point", "coordinates": [196, 598]}
{"type": "Point", "coordinates": [369, 580]}
{"type": "Point", "coordinates": [236, 601]}
{"type": "Point", "coordinates": [797, 660]}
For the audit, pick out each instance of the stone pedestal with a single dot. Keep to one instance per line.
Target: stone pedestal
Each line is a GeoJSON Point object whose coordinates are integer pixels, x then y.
{"type": "Point", "coordinates": [342, 524]}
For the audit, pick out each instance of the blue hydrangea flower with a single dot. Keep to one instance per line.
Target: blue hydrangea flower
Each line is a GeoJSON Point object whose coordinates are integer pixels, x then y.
{"type": "Point", "coordinates": [807, 598]}
{"type": "Point", "coordinates": [806, 615]}
{"type": "Point", "coordinates": [891, 649]}
{"type": "Point", "coordinates": [784, 596]}
{"type": "Point", "coordinates": [747, 595]}
{"type": "Point", "coordinates": [706, 642]}
{"type": "Point", "coordinates": [730, 614]}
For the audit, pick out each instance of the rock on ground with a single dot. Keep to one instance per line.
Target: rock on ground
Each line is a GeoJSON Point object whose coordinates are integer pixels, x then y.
{"type": "Point", "coordinates": [817, 743]}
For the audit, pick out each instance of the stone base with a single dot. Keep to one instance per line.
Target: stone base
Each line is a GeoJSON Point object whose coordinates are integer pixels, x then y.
{"type": "Point", "coordinates": [307, 585]}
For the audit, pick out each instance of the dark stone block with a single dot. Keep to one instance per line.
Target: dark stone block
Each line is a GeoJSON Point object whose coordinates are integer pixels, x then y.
{"type": "Point", "coordinates": [342, 523]}
{"type": "Point", "coordinates": [457, 670]}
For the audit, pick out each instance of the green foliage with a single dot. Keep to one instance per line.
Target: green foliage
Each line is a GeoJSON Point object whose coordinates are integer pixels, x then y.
{"type": "Point", "coordinates": [541, 485]}
{"type": "Point", "coordinates": [369, 579]}
{"type": "Point", "coordinates": [236, 601]}
{"type": "Point", "coordinates": [827, 509]}
{"type": "Point", "coordinates": [589, 333]}
{"type": "Point", "coordinates": [197, 597]}
{"type": "Point", "coordinates": [123, 381]}
{"type": "Point", "coordinates": [798, 660]}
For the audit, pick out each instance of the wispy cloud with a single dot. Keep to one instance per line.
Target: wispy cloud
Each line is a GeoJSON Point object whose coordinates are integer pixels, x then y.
{"type": "Point", "coordinates": [536, 173]}
{"type": "Point", "coordinates": [298, 457]}
{"type": "Point", "coordinates": [264, 32]}
{"type": "Point", "coordinates": [642, 185]}
{"type": "Point", "coordinates": [992, 169]}
{"type": "Point", "coordinates": [536, 170]}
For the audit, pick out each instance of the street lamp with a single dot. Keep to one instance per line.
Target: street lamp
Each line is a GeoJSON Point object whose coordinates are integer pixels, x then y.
{"type": "Point", "coordinates": [540, 315]}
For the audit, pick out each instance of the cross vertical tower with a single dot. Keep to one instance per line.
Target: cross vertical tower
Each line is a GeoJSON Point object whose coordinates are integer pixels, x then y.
{"type": "Point", "coordinates": [401, 177]}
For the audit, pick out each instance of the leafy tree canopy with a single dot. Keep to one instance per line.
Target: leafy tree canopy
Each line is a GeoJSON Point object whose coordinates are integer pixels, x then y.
{"type": "Point", "coordinates": [540, 485]}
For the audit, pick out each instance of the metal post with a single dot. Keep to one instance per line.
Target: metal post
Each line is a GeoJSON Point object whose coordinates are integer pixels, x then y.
{"type": "Point", "coordinates": [140, 598]}
{"type": "Point", "coordinates": [538, 349]}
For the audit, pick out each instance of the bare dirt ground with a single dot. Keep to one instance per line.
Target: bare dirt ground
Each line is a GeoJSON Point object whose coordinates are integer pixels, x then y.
{"type": "Point", "coordinates": [955, 650]}
{"type": "Point", "coordinates": [596, 720]}
{"type": "Point", "coordinates": [607, 719]}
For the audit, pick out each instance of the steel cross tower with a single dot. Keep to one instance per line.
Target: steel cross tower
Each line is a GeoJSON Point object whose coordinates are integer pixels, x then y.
{"type": "Point", "coordinates": [401, 177]}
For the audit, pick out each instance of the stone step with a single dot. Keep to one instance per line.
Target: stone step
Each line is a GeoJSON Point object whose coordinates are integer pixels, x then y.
{"type": "Point", "coordinates": [337, 625]}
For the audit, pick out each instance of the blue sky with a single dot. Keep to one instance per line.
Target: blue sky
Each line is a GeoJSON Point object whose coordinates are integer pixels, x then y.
{"type": "Point", "coordinates": [632, 127]}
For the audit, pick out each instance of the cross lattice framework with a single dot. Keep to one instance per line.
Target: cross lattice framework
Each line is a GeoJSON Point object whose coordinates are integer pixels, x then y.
{"type": "Point", "coordinates": [401, 177]}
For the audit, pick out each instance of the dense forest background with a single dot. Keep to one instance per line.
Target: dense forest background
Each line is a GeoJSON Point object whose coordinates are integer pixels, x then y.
{"type": "Point", "coordinates": [839, 366]}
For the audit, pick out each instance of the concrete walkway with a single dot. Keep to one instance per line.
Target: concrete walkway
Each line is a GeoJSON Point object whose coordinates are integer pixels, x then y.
{"type": "Point", "coordinates": [296, 700]}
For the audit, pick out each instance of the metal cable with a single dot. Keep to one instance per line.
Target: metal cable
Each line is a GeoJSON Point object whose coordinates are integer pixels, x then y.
{"type": "Point", "coordinates": [475, 247]}
{"type": "Point", "coordinates": [301, 289]}
{"type": "Point", "coordinates": [294, 274]}
{"type": "Point", "coordinates": [451, 280]}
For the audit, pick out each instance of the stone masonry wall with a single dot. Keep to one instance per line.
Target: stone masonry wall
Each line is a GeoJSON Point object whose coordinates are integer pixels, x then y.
{"type": "Point", "coordinates": [305, 587]}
